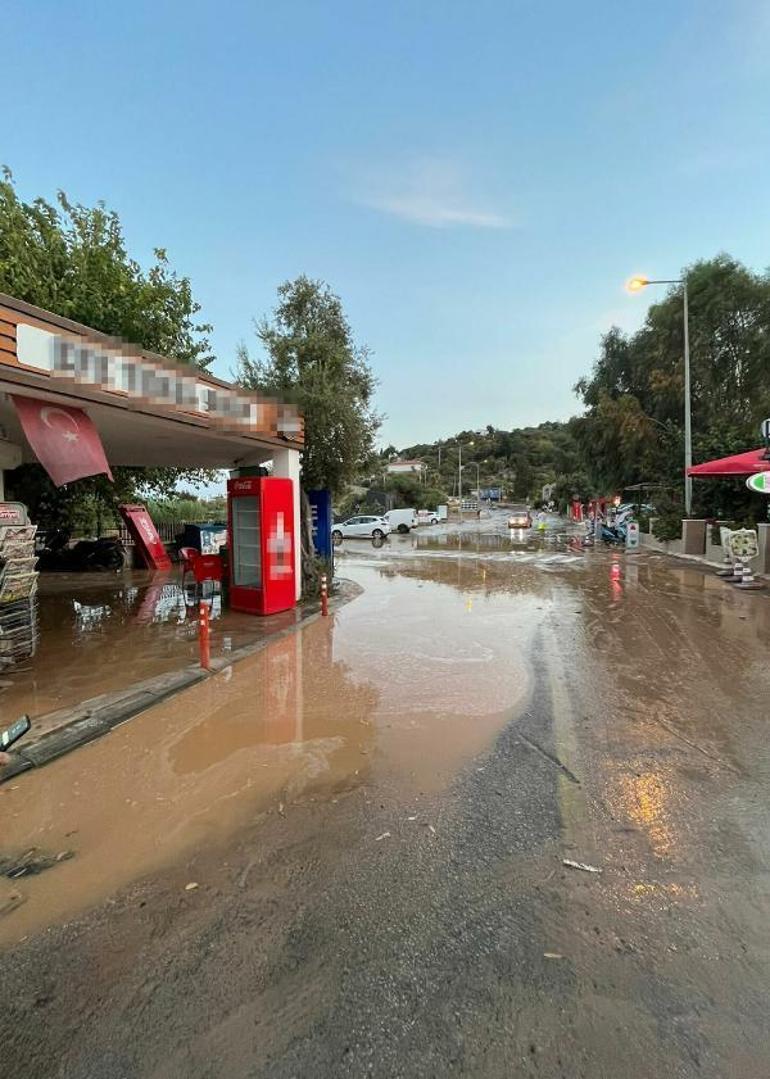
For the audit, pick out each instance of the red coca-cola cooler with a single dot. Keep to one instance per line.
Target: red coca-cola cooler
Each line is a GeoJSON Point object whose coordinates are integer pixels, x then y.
{"type": "Point", "coordinates": [260, 524]}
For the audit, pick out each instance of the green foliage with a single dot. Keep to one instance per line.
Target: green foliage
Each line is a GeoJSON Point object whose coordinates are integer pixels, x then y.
{"type": "Point", "coordinates": [72, 260]}
{"type": "Point", "coordinates": [183, 507]}
{"type": "Point", "coordinates": [667, 523]}
{"type": "Point", "coordinates": [520, 461]}
{"type": "Point", "coordinates": [89, 506]}
{"type": "Point", "coordinates": [633, 427]}
{"type": "Point", "coordinates": [410, 493]}
{"type": "Point", "coordinates": [313, 361]}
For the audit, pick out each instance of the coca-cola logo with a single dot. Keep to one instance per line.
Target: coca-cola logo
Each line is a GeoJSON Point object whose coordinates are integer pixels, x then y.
{"type": "Point", "coordinates": [242, 485]}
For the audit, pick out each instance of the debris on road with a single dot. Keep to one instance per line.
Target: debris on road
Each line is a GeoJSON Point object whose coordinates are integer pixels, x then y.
{"type": "Point", "coordinates": [31, 862]}
{"type": "Point", "coordinates": [191, 886]}
{"type": "Point", "coordinates": [385, 835]}
{"type": "Point", "coordinates": [552, 955]}
{"type": "Point", "coordinates": [580, 865]}
{"type": "Point", "coordinates": [11, 902]}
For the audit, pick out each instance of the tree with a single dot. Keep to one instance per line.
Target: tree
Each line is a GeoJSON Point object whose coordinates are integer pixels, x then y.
{"type": "Point", "coordinates": [410, 492]}
{"type": "Point", "coordinates": [632, 430]}
{"type": "Point", "coordinates": [313, 361]}
{"type": "Point", "coordinates": [72, 260]}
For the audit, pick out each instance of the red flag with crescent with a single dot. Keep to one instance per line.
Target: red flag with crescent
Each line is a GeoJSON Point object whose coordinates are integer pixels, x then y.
{"type": "Point", "coordinates": [63, 439]}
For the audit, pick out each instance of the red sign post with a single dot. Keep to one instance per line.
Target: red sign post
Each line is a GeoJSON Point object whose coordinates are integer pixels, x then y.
{"type": "Point", "coordinates": [204, 636]}
{"type": "Point", "coordinates": [145, 536]}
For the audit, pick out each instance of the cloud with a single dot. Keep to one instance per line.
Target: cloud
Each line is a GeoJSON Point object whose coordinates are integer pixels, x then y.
{"type": "Point", "coordinates": [431, 192]}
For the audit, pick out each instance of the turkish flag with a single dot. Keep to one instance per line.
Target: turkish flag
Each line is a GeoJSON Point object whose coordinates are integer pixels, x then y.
{"type": "Point", "coordinates": [64, 440]}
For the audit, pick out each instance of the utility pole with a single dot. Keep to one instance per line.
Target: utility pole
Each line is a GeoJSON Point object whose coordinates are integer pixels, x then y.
{"type": "Point", "coordinates": [687, 409]}
{"type": "Point", "coordinates": [460, 481]}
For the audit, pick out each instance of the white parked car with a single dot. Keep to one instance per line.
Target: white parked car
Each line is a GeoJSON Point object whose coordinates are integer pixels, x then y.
{"type": "Point", "coordinates": [365, 527]}
{"type": "Point", "coordinates": [427, 517]}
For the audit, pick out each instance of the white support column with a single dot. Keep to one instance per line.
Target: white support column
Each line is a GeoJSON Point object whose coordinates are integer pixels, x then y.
{"type": "Point", "coordinates": [286, 464]}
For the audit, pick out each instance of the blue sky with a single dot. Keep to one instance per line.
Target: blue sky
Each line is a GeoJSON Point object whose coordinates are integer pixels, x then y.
{"type": "Point", "coordinates": [476, 180]}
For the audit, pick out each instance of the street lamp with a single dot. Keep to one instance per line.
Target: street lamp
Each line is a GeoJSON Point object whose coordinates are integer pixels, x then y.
{"type": "Point", "coordinates": [478, 475]}
{"type": "Point", "coordinates": [636, 284]}
{"type": "Point", "coordinates": [460, 476]}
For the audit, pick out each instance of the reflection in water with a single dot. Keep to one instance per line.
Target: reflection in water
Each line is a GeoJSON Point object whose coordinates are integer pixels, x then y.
{"type": "Point", "coordinates": [645, 799]}
{"type": "Point", "coordinates": [102, 632]}
{"type": "Point", "coordinates": [616, 588]}
{"type": "Point", "coordinates": [516, 539]}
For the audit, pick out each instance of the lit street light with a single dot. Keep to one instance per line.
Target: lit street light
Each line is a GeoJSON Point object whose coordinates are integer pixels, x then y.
{"type": "Point", "coordinates": [636, 284]}
{"type": "Point", "coordinates": [478, 476]}
{"type": "Point", "coordinates": [460, 476]}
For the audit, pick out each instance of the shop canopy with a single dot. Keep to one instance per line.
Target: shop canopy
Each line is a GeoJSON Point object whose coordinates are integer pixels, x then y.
{"type": "Point", "coordinates": [145, 410]}
{"type": "Point", "coordinates": [740, 464]}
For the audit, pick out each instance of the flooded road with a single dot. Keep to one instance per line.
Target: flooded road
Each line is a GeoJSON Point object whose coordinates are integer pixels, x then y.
{"type": "Point", "coordinates": [345, 856]}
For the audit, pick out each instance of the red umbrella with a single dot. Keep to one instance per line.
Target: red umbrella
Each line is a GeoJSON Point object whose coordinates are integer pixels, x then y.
{"type": "Point", "coordinates": [740, 464]}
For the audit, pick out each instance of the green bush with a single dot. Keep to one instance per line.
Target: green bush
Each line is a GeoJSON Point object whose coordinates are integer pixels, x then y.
{"type": "Point", "coordinates": [668, 528]}
{"type": "Point", "coordinates": [667, 525]}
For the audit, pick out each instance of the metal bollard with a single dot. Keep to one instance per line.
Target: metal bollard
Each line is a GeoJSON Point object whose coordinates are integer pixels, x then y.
{"type": "Point", "coordinates": [324, 596]}
{"type": "Point", "coordinates": [204, 642]}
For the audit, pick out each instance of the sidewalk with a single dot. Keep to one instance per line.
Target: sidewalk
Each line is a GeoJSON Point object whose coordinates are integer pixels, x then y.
{"type": "Point", "coordinates": [57, 732]}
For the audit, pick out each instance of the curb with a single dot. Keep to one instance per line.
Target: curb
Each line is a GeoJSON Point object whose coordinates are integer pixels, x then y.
{"type": "Point", "coordinates": [694, 560]}
{"type": "Point", "coordinates": [97, 716]}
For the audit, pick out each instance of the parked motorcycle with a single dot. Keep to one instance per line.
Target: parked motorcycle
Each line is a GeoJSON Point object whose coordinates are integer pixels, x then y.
{"type": "Point", "coordinates": [105, 553]}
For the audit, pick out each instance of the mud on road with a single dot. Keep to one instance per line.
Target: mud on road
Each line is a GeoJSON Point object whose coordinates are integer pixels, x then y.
{"type": "Point", "coordinates": [381, 890]}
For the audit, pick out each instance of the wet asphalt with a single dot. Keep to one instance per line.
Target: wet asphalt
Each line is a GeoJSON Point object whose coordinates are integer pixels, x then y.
{"type": "Point", "coordinates": [405, 910]}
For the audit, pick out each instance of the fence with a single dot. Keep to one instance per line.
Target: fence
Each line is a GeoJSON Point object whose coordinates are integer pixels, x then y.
{"type": "Point", "coordinates": [167, 530]}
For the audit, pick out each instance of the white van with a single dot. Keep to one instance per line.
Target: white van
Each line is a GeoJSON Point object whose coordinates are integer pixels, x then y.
{"type": "Point", "coordinates": [401, 520]}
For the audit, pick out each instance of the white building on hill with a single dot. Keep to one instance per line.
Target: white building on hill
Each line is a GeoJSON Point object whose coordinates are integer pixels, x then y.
{"type": "Point", "coordinates": [401, 467]}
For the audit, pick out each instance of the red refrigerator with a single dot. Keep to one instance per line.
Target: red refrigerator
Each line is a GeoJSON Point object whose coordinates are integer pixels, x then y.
{"type": "Point", "coordinates": [260, 523]}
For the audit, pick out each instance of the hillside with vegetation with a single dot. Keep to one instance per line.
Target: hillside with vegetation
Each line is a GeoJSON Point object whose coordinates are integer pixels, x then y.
{"type": "Point", "coordinates": [520, 461]}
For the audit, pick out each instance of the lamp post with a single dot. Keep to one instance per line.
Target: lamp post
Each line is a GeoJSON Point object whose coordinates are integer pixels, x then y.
{"type": "Point", "coordinates": [460, 481]}
{"type": "Point", "coordinates": [635, 285]}
{"type": "Point", "coordinates": [460, 475]}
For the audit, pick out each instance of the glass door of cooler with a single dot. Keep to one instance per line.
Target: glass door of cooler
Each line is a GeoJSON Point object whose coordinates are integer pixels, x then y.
{"type": "Point", "coordinates": [246, 554]}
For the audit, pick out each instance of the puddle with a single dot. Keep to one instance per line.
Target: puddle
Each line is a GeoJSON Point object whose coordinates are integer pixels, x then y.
{"type": "Point", "coordinates": [403, 685]}
{"type": "Point", "coordinates": [101, 632]}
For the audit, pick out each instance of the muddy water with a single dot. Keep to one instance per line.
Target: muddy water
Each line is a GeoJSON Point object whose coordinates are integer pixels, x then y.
{"type": "Point", "coordinates": [100, 632]}
{"type": "Point", "coordinates": [403, 685]}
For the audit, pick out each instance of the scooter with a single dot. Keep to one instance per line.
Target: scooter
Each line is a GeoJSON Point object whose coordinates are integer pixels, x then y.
{"type": "Point", "coordinates": [613, 535]}
{"type": "Point", "coordinates": [105, 553]}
